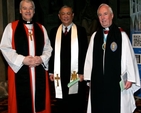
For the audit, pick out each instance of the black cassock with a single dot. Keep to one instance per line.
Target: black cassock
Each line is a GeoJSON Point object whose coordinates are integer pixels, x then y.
{"type": "Point", "coordinates": [74, 102]}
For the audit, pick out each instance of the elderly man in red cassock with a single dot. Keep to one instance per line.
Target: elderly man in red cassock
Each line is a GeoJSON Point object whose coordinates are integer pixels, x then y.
{"type": "Point", "coordinates": [26, 48]}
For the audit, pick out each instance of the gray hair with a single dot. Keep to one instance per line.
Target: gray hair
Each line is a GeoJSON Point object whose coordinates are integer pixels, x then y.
{"type": "Point", "coordinates": [103, 4]}
{"type": "Point", "coordinates": [28, 1]}
{"type": "Point", "coordinates": [66, 6]}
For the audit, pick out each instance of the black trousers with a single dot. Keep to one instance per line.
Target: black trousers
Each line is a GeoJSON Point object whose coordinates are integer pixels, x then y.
{"type": "Point", "coordinates": [74, 103]}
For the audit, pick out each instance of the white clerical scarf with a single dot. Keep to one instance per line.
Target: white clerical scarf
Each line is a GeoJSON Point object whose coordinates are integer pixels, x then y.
{"type": "Point", "coordinates": [74, 60]}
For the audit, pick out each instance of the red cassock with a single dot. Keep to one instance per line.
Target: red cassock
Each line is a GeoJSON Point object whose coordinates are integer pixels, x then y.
{"type": "Point", "coordinates": [12, 97]}
{"type": "Point", "coordinates": [12, 105]}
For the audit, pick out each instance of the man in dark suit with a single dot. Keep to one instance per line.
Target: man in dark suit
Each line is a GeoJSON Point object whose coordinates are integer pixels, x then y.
{"type": "Point", "coordinates": [69, 42]}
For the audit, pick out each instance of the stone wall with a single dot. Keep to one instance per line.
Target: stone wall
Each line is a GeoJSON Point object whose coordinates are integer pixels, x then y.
{"type": "Point", "coordinates": [47, 13]}
{"type": "Point", "coordinates": [7, 14]}
{"type": "Point", "coordinates": [2, 66]}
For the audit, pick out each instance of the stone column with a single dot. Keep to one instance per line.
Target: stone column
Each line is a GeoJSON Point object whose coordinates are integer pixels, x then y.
{"type": "Point", "coordinates": [10, 10]}
{"type": "Point", "coordinates": [1, 18]}
{"type": "Point", "coordinates": [7, 14]}
{"type": "Point", "coordinates": [2, 66]}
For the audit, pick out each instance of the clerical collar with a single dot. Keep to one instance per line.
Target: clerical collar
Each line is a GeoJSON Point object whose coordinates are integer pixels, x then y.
{"type": "Point", "coordinates": [27, 22]}
{"type": "Point", "coordinates": [106, 29]}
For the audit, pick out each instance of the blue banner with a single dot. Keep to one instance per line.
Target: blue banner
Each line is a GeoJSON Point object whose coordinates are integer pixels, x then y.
{"type": "Point", "coordinates": [135, 33]}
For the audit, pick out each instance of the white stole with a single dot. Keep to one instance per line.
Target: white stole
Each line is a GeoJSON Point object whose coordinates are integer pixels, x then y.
{"type": "Point", "coordinates": [74, 60]}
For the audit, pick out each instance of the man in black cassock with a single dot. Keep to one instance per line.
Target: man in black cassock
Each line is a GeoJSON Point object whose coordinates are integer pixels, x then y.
{"type": "Point", "coordinates": [110, 58]}
{"type": "Point", "coordinates": [69, 50]}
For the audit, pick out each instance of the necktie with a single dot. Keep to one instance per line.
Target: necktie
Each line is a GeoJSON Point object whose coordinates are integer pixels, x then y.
{"type": "Point", "coordinates": [106, 32]}
{"type": "Point", "coordinates": [65, 33]}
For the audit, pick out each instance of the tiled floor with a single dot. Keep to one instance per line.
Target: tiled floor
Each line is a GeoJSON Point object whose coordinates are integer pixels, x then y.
{"type": "Point", "coordinates": [138, 103]}
{"type": "Point", "coordinates": [4, 102]}
{"type": "Point", "coordinates": [3, 106]}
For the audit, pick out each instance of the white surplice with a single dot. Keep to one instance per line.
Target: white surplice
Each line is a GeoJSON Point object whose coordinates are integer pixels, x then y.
{"type": "Point", "coordinates": [128, 64]}
{"type": "Point", "coordinates": [15, 60]}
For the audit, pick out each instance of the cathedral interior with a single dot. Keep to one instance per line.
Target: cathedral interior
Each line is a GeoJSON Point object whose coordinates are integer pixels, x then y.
{"type": "Point", "coordinates": [46, 13]}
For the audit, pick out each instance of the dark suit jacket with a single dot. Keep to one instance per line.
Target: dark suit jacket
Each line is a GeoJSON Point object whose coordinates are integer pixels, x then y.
{"type": "Point", "coordinates": [83, 44]}
{"type": "Point", "coordinates": [78, 99]}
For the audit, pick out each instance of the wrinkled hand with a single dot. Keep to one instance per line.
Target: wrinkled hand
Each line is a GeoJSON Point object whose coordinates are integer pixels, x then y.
{"type": "Point", "coordinates": [128, 84]}
{"type": "Point", "coordinates": [32, 61]}
{"type": "Point", "coordinates": [37, 60]}
{"type": "Point", "coordinates": [28, 60]}
{"type": "Point", "coordinates": [51, 77]}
